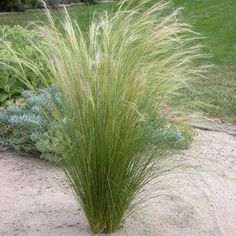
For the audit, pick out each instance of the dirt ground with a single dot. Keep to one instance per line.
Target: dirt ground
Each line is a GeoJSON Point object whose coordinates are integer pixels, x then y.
{"type": "Point", "coordinates": [35, 199]}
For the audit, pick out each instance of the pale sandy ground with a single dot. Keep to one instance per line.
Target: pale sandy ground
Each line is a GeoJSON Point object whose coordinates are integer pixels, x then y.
{"type": "Point", "coordinates": [35, 199]}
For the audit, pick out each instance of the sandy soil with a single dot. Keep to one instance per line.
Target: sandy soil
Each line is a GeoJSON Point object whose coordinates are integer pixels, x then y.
{"type": "Point", "coordinates": [36, 200]}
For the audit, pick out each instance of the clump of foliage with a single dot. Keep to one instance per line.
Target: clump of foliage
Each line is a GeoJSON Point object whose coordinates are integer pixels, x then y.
{"type": "Point", "coordinates": [20, 5]}
{"type": "Point", "coordinates": [174, 135]}
{"type": "Point", "coordinates": [113, 81]}
{"type": "Point", "coordinates": [25, 127]}
{"type": "Point", "coordinates": [88, 1]}
{"type": "Point", "coordinates": [19, 40]}
{"type": "Point", "coordinates": [11, 5]}
{"type": "Point", "coordinates": [28, 125]}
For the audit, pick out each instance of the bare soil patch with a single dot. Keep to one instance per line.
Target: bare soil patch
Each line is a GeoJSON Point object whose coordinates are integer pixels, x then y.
{"type": "Point", "coordinates": [35, 198]}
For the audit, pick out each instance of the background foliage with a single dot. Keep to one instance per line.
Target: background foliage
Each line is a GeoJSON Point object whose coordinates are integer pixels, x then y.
{"type": "Point", "coordinates": [20, 5]}
{"type": "Point", "coordinates": [20, 40]}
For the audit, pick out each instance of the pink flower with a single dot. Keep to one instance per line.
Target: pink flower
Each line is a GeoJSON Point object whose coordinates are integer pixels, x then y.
{"type": "Point", "coordinates": [20, 102]}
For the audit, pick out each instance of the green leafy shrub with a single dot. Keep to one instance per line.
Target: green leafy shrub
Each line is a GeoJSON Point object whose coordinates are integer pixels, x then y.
{"type": "Point", "coordinates": [21, 41]}
{"type": "Point", "coordinates": [32, 4]}
{"type": "Point", "coordinates": [15, 5]}
{"type": "Point", "coordinates": [11, 5]}
{"type": "Point", "coordinates": [25, 126]}
{"type": "Point", "coordinates": [113, 81]}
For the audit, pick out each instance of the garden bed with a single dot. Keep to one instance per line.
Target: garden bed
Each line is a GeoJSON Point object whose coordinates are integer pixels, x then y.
{"type": "Point", "coordinates": [35, 198]}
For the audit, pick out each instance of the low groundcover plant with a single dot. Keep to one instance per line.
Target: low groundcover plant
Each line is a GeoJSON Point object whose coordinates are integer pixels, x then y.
{"type": "Point", "coordinates": [113, 80]}
{"type": "Point", "coordinates": [25, 128]}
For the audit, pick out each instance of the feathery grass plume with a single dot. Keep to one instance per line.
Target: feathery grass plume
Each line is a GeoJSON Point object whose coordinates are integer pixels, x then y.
{"type": "Point", "coordinates": [113, 81]}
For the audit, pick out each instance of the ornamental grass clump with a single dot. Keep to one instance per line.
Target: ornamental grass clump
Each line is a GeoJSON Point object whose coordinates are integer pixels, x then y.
{"type": "Point", "coordinates": [113, 80]}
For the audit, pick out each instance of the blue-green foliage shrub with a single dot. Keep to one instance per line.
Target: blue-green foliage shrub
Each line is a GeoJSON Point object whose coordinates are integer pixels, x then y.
{"type": "Point", "coordinates": [29, 126]}
{"type": "Point", "coordinates": [20, 40]}
{"type": "Point", "coordinates": [25, 128]}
